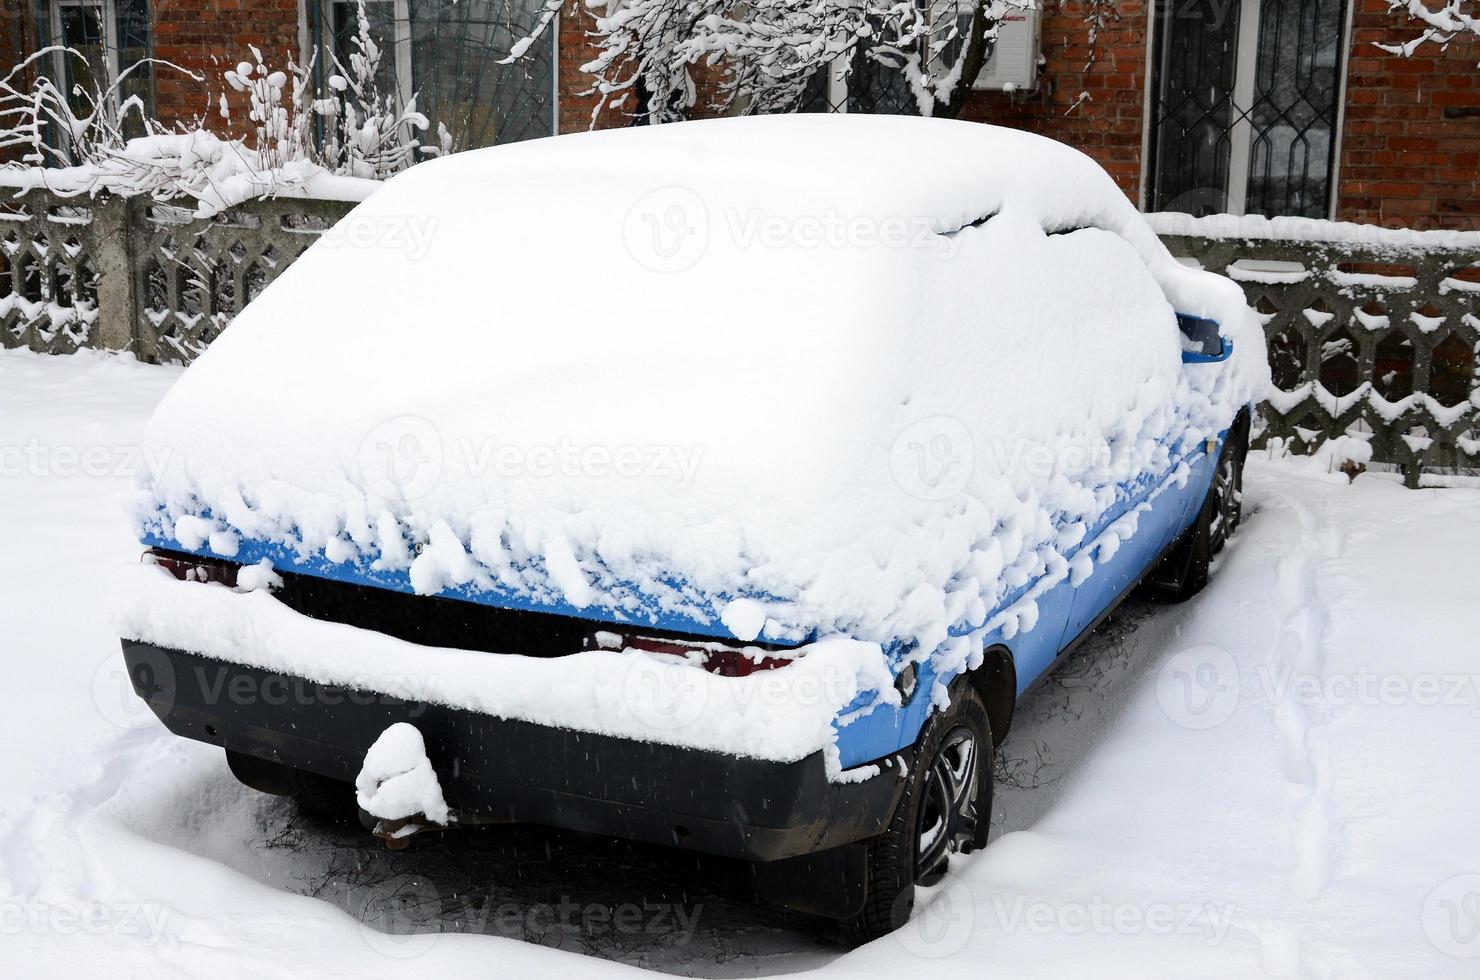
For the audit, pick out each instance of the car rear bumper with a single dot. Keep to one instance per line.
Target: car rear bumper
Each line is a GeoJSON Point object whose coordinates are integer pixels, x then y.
{"type": "Point", "coordinates": [511, 770]}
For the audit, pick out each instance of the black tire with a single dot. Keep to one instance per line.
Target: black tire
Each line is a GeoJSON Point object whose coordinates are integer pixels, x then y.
{"type": "Point", "coordinates": [896, 858]}
{"type": "Point", "coordinates": [1184, 572]}
{"type": "Point", "coordinates": [1227, 493]}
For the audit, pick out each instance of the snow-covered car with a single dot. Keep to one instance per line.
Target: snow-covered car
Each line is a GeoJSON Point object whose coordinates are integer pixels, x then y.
{"type": "Point", "coordinates": [721, 485]}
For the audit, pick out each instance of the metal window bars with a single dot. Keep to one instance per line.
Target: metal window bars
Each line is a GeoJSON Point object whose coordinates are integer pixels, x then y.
{"type": "Point", "coordinates": [1245, 106]}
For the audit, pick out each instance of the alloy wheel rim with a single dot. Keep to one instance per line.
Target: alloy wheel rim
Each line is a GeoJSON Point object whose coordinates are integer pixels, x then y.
{"type": "Point", "coordinates": [947, 815]}
{"type": "Point", "coordinates": [1225, 504]}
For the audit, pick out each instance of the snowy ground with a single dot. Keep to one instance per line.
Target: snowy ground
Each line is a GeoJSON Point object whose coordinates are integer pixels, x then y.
{"type": "Point", "coordinates": [1277, 779]}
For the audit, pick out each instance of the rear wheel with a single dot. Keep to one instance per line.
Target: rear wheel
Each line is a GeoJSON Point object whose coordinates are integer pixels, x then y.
{"type": "Point", "coordinates": [1227, 496]}
{"type": "Point", "coordinates": [946, 809]}
{"type": "Point", "coordinates": [1183, 573]}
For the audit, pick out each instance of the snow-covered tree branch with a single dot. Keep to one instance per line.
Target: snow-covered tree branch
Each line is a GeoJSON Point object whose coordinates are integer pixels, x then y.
{"type": "Point", "coordinates": [779, 55]}
{"type": "Point", "coordinates": [1099, 16]}
{"type": "Point", "coordinates": [1441, 23]}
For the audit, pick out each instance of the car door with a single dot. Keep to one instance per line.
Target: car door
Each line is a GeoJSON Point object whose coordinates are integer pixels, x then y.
{"type": "Point", "coordinates": [1150, 514]}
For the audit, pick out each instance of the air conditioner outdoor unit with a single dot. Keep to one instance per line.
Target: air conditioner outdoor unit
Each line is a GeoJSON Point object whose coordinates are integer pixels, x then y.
{"type": "Point", "coordinates": [1013, 65]}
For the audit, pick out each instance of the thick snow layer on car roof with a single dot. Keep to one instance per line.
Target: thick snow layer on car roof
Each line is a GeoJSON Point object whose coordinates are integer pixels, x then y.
{"type": "Point", "coordinates": [801, 375]}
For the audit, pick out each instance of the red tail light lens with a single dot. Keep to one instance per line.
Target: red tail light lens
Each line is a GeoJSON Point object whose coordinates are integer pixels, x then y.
{"type": "Point", "coordinates": [188, 568]}
{"type": "Point", "coordinates": [716, 658]}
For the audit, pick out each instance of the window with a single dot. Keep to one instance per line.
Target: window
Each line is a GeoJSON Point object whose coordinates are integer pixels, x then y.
{"type": "Point", "coordinates": [445, 53]}
{"type": "Point", "coordinates": [109, 36]}
{"type": "Point", "coordinates": [390, 26]}
{"type": "Point", "coordinates": [1245, 100]}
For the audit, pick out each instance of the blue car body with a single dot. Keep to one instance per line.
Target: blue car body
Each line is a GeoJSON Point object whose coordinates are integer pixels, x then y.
{"type": "Point", "coordinates": [803, 830]}
{"type": "Point", "coordinates": [874, 731]}
{"type": "Point", "coordinates": [1013, 292]}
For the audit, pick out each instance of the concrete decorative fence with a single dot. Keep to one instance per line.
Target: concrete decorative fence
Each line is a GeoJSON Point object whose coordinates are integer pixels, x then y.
{"type": "Point", "coordinates": [132, 274]}
{"type": "Point", "coordinates": [1374, 341]}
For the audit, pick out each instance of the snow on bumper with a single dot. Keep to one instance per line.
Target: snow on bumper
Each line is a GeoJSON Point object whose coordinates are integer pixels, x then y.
{"type": "Point", "coordinates": [780, 715]}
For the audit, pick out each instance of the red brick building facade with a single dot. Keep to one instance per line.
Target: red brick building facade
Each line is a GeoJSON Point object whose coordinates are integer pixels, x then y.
{"type": "Point", "coordinates": [1408, 148]}
{"type": "Point", "coordinates": [1339, 128]}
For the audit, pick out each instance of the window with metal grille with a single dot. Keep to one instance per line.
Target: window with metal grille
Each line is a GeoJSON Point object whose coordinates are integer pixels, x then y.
{"type": "Point", "coordinates": [1245, 102]}
{"type": "Point", "coordinates": [446, 53]}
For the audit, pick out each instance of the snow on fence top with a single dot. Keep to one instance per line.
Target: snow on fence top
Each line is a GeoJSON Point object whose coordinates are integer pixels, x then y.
{"type": "Point", "coordinates": [682, 370]}
{"type": "Point", "coordinates": [214, 174]}
{"type": "Point", "coordinates": [1257, 227]}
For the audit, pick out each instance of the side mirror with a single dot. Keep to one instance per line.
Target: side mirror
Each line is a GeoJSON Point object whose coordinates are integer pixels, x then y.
{"type": "Point", "coordinates": [1201, 342]}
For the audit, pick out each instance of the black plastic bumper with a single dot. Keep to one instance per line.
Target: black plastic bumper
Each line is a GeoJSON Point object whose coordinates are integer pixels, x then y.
{"type": "Point", "coordinates": [522, 772]}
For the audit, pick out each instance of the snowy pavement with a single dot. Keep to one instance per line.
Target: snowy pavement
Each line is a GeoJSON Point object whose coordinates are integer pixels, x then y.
{"type": "Point", "coordinates": [1277, 779]}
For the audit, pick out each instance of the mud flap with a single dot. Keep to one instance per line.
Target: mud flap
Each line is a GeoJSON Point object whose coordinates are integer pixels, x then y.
{"type": "Point", "coordinates": [831, 883]}
{"type": "Point", "coordinates": [263, 775]}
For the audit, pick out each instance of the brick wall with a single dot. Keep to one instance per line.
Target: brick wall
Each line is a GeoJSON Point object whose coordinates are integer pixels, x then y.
{"type": "Point", "coordinates": [209, 36]}
{"type": "Point", "coordinates": [15, 17]}
{"type": "Point", "coordinates": [203, 36]}
{"type": "Point", "coordinates": [17, 41]}
{"type": "Point", "coordinates": [1410, 153]}
{"type": "Point", "coordinates": [1097, 107]}
{"type": "Point", "coordinates": [576, 48]}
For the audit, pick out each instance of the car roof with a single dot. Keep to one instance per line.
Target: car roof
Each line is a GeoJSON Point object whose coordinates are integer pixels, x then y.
{"type": "Point", "coordinates": [953, 171]}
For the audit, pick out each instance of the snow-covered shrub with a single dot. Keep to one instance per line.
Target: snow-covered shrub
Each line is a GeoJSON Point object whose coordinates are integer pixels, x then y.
{"type": "Point", "coordinates": [294, 142]}
{"type": "Point", "coordinates": [41, 127]}
{"type": "Point", "coordinates": [368, 134]}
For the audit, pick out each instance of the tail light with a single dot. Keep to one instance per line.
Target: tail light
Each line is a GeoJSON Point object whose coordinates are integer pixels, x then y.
{"type": "Point", "coordinates": [189, 568]}
{"type": "Point", "coordinates": [716, 658]}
